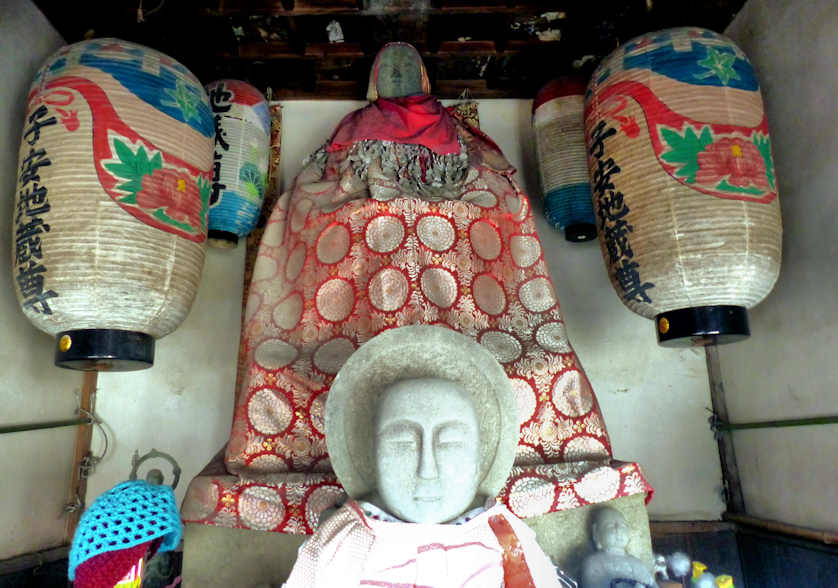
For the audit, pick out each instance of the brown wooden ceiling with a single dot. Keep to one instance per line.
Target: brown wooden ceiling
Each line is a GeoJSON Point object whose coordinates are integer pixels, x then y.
{"type": "Point", "coordinates": [493, 49]}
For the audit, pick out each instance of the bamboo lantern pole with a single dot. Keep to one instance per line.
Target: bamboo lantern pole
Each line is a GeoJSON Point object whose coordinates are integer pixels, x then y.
{"type": "Point", "coordinates": [78, 475]}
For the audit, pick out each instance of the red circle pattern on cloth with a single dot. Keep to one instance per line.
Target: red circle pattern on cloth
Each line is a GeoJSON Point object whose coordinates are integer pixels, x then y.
{"type": "Point", "coordinates": [335, 268]}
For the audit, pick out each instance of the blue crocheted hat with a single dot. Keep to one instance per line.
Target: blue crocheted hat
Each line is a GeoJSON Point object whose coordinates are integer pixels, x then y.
{"type": "Point", "coordinates": [127, 515]}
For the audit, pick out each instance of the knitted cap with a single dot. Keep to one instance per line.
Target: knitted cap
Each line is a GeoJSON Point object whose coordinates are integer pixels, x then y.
{"type": "Point", "coordinates": [128, 515]}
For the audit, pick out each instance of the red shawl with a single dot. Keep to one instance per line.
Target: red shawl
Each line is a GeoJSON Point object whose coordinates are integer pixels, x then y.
{"type": "Point", "coordinates": [417, 120]}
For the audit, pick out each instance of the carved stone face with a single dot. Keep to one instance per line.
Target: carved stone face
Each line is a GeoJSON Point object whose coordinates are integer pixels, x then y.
{"type": "Point", "coordinates": [610, 530]}
{"type": "Point", "coordinates": [427, 450]}
{"type": "Point", "coordinates": [399, 72]}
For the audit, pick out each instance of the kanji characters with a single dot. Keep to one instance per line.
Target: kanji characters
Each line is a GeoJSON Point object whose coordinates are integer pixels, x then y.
{"type": "Point", "coordinates": [30, 226]}
{"type": "Point", "coordinates": [614, 226]}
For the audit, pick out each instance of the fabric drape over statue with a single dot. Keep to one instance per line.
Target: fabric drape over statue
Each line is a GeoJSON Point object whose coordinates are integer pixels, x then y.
{"type": "Point", "coordinates": [374, 235]}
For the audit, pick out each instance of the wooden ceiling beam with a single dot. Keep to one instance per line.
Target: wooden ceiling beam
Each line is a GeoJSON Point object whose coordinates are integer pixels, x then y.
{"type": "Point", "coordinates": [494, 49]}
{"type": "Point", "coordinates": [338, 9]}
{"type": "Point", "coordinates": [343, 90]}
{"type": "Point", "coordinates": [447, 49]}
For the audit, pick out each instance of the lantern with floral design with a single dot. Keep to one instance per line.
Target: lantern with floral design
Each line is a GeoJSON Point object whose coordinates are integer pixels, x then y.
{"type": "Point", "coordinates": [683, 183]}
{"type": "Point", "coordinates": [242, 145]}
{"type": "Point", "coordinates": [113, 191]}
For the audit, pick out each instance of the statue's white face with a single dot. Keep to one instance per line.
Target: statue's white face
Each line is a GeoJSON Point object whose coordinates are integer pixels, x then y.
{"type": "Point", "coordinates": [427, 450]}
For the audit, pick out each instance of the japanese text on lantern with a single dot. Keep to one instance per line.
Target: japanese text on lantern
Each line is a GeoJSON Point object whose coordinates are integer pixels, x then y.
{"type": "Point", "coordinates": [32, 204]}
{"type": "Point", "coordinates": [220, 102]}
{"type": "Point", "coordinates": [613, 224]}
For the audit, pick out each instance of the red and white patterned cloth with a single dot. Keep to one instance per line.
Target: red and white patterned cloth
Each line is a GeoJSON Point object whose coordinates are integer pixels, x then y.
{"type": "Point", "coordinates": [347, 255]}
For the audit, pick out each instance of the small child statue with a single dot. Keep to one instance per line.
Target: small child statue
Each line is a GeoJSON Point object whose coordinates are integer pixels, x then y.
{"type": "Point", "coordinates": [421, 428]}
{"type": "Point", "coordinates": [611, 565]}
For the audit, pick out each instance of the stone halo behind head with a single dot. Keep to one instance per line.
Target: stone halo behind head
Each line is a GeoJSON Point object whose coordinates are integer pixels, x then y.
{"type": "Point", "coordinates": [418, 351]}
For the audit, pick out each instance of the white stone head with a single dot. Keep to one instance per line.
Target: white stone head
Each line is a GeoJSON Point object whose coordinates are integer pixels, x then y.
{"type": "Point", "coordinates": [427, 450]}
{"type": "Point", "coordinates": [422, 421]}
{"type": "Point", "coordinates": [610, 531]}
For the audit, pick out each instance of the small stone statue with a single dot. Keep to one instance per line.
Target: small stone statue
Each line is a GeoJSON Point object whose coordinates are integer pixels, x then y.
{"type": "Point", "coordinates": [334, 32]}
{"type": "Point", "coordinates": [611, 565]}
{"type": "Point", "coordinates": [421, 430]}
{"type": "Point", "coordinates": [660, 567]}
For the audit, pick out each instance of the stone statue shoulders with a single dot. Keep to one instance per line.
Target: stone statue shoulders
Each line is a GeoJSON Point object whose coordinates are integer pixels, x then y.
{"type": "Point", "coordinates": [336, 552]}
{"type": "Point", "coordinates": [360, 541]}
{"type": "Point", "coordinates": [600, 568]}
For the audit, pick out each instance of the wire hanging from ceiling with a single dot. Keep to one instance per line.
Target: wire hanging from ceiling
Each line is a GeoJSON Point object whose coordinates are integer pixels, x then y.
{"type": "Point", "coordinates": [141, 16]}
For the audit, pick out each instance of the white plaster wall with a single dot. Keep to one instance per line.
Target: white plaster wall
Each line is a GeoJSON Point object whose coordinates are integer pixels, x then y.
{"type": "Point", "coordinates": [183, 405]}
{"type": "Point", "coordinates": [787, 368]}
{"type": "Point", "coordinates": [654, 399]}
{"type": "Point", "coordinates": [35, 465]}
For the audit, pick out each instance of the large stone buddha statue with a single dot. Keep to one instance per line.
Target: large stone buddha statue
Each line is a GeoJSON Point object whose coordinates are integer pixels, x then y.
{"type": "Point", "coordinates": [421, 430]}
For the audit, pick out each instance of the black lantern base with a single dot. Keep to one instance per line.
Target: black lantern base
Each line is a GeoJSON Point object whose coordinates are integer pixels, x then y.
{"type": "Point", "coordinates": [702, 325]}
{"type": "Point", "coordinates": [104, 350]}
{"type": "Point", "coordinates": [580, 232]}
{"type": "Point", "coordinates": [222, 239]}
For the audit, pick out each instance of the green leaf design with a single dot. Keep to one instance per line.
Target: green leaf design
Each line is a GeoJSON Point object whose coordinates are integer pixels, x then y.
{"type": "Point", "coordinates": [249, 173]}
{"type": "Point", "coordinates": [120, 170]}
{"type": "Point", "coordinates": [763, 143]}
{"type": "Point", "coordinates": [684, 149]}
{"type": "Point", "coordinates": [718, 64]}
{"type": "Point", "coordinates": [133, 166]}
{"type": "Point", "coordinates": [123, 152]}
{"type": "Point", "coordinates": [204, 190]}
{"type": "Point", "coordinates": [132, 186]}
{"type": "Point", "coordinates": [725, 186]}
{"type": "Point", "coordinates": [162, 216]}
{"type": "Point", "coordinates": [252, 190]}
{"type": "Point", "coordinates": [156, 162]}
{"type": "Point", "coordinates": [184, 98]}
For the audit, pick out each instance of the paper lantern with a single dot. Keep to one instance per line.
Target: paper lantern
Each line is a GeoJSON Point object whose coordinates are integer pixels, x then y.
{"type": "Point", "coordinates": [242, 142]}
{"type": "Point", "coordinates": [562, 161]}
{"type": "Point", "coordinates": [683, 183]}
{"type": "Point", "coordinates": [113, 191]}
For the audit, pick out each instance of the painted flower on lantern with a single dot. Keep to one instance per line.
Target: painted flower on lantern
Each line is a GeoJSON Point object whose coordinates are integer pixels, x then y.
{"type": "Point", "coordinates": [253, 180]}
{"type": "Point", "coordinates": [735, 159]}
{"type": "Point", "coordinates": [185, 97]}
{"type": "Point", "coordinates": [730, 166]}
{"type": "Point", "coordinates": [171, 199]}
{"type": "Point", "coordinates": [175, 192]}
{"type": "Point", "coordinates": [720, 64]}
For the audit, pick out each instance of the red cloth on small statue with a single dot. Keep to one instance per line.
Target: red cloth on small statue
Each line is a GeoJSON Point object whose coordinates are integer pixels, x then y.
{"type": "Point", "coordinates": [416, 120]}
